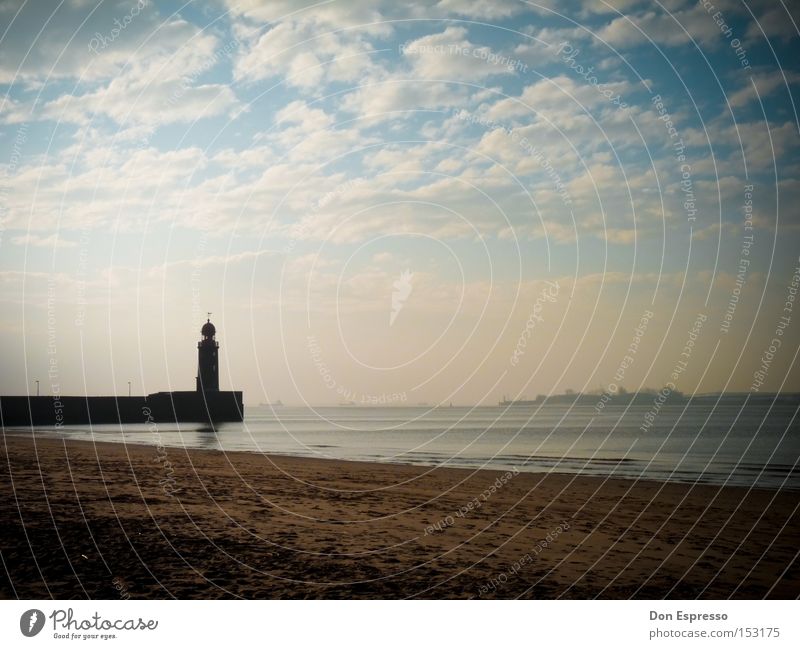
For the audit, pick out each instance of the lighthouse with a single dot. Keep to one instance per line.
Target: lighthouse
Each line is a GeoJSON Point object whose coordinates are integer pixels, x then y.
{"type": "Point", "coordinates": [203, 404]}
{"type": "Point", "coordinates": [208, 359]}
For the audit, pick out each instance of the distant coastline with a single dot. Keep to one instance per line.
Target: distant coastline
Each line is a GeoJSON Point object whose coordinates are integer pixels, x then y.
{"type": "Point", "coordinates": [647, 397]}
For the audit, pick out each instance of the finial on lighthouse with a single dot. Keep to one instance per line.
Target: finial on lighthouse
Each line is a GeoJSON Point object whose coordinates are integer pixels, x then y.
{"type": "Point", "coordinates": [208, 330]}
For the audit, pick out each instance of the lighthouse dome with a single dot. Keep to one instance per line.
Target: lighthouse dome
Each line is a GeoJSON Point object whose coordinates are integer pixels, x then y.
{"type": "Point", "coordinates": [208, 330]}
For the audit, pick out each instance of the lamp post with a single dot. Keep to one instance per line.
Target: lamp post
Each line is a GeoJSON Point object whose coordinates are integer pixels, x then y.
{"type": "Point", "coordinates": [129, 388]}
{"type": "Point", "coordinates": [37, 386]}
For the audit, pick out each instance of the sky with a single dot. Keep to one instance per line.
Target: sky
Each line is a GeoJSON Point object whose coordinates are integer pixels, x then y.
{"type": "Point", "coordinates": [400, 203]}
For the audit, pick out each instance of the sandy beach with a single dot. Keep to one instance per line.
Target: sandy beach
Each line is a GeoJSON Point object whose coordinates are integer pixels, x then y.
{"type": "Point", "coordinates": [107, 521]}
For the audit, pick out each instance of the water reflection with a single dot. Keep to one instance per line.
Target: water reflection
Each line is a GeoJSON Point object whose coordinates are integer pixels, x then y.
{"type": "Point", "coordinates": [207, 438]}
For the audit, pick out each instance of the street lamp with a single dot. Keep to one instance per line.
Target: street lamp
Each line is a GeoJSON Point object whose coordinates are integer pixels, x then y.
{"type": "Point", "coordinates": [129, 388]}
{"type": "Point", "coordinates": [37, 386]}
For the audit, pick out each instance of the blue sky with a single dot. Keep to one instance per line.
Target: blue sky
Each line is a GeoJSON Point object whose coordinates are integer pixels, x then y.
{"type": "Point", "coordinates": [282, 164]}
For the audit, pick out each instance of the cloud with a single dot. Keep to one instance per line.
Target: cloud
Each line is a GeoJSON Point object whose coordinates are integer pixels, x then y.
{"type": "Point", "coordinates": [39, 241]}
{"type": "Point", "coordinates": [496, 10]}
{"type": "Point", "coordinates": [764, 144]}
{"type": "Point", "coordinates": [765, 83]}
{"type": "Point", "coordinates": [395, 98]}
{"type": "Point", "coordinates": [589, 7]}
{"type": "Point", "coordinates": [66, 41]}
{"type": "Point", "coordinates": [558, 96]}
{"type": "Point", "coordinates": [161, 88]}
{"type": "Point", "coordinates": [330, 14]}
{"type": "Point", "coordinates": [303, 55]}
{"type": "Point", "coordinates": [125, 189]}
{"type": "Point", "coordinates": [664, 28]}
{"type": "Point", "coordinates": [775, 21]}
{"type": "Point", "coordinates": [451, 55]}
{"type": "Point", "coordinates": [206, 261]}
{"type": "Point", "coordinates": [131, 102]}
{"type": "Point", "coordinates": [308, 119]}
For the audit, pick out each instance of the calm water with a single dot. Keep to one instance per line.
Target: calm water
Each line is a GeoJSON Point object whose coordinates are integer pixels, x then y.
{"type": "Point", "coordinates": [728, 444]}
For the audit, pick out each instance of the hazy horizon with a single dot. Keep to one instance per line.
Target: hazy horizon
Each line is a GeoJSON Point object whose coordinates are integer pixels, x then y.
{"type": "Point", "coordinates": [450, 201]}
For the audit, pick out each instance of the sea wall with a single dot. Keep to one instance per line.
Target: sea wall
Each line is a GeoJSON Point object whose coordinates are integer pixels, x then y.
{"type": "Point", "coordinates": [162, 407]}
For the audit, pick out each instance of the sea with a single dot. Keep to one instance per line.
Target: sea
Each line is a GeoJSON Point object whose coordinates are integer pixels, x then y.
{"type": "Point", "coordinates": [752, 445]}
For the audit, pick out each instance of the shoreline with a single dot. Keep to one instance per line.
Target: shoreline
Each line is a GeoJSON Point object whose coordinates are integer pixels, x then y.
{"type": "Point", "coordinates": [725, 480]}
{"type": "Point", "coordinates": [171, 522]}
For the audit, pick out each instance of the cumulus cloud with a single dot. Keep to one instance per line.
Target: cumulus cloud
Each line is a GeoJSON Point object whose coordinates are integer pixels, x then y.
{"type": "Point", "coordinates": [39, 241]}
{"type": "Point", "coordinates": [291, 134]}
{"type": "Point", "coordinates": [451, 55]}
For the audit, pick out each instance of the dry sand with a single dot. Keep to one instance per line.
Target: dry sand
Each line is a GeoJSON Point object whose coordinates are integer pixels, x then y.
{"type": "Point", "coordinates": [91, 520]}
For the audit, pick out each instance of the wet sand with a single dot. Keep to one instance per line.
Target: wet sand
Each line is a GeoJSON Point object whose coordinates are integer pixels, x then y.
{"type": "Point", "coordinates": [107, 521]}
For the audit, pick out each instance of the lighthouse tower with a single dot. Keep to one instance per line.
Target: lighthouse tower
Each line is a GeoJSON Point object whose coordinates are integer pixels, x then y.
{"type": "Point", "coordinates": [208, 359]}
